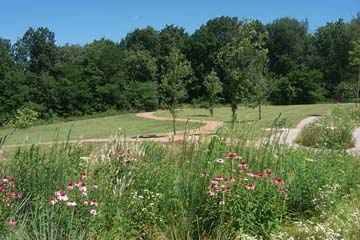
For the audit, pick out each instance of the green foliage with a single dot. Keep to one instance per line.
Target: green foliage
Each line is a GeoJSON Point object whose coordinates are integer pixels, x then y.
{"type": "Point", "coordinates": [176, 73]}
{"type": "Point", "coordinates": [333, 132]}
{"type": "Point", "coordinates": [24, 118]}
{"type": "Point", "coordinates": [238, 58]}
{"type": "Point", "coordinates": [213, 88]}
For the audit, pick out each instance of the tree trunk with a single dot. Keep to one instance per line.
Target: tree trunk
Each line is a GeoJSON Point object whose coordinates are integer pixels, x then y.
{"type": "Point", "coordinates": [358, 89]}
{"type": "Point", "coordinates": [233, 109]}
{"type": "Point", "coordinates": [174, 123]}
{"type": "Point", "coordinates": [260, 111]}
{"type": "Point", "coordinates": [211, 111]}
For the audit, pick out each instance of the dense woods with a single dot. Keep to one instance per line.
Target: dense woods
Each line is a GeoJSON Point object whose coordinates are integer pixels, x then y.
{"type": "Point", "coordinates": [226, 60]}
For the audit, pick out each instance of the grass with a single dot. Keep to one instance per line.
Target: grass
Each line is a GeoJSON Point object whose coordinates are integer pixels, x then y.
{"type": "Point", "coordinates": [93, 128]}
{"type": "Point", "coordinates": [190, 190]}
{"type": "Point", "coordinates": [294, 114]}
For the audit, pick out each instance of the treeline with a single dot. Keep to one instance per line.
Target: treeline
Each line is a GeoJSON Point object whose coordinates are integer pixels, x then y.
{"type": "Point", "coordinates": [291, 65]}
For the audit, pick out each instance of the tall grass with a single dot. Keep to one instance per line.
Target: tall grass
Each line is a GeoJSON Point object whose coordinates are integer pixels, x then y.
{"type": "Point", "coordinates": [210, 187]}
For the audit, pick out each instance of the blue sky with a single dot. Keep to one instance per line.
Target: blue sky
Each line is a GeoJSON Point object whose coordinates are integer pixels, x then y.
{"type": "Point", "coordinates": [82, 21]}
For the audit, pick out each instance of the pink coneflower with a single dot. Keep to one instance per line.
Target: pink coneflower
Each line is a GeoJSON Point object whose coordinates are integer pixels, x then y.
{"type": "Point", "coordinates": [70, 186]}
{"type": "Point", "coordinates": [93, 212]}
{"type": "Point", "coordinates": [71, 204]}
{"type": "Point", "coordinates": [12, 181]}
{"type": "Point", "coordinates": [243, 164]}
{"type": "Point", "coordinates": [268, 172]}
{"type": "Point", "coordinates": [5, 179]}
{"type": "Point", "coordinates": [214, 182]}
{"type": "Point", "coordinates": [82, 188]}
{"type": "Point", "coordinates": [86, 203]}
{"type": "Point", "coordinates": [211, 193]}
{"type": "Point", "coordinates": [19, 195]}
{"type": "Point", "coordinates": [238, 158]}
{"type": "Point", "coordinates": [57, 192]}
{"type": "Point", "coordinates": [250, 186]}
{"type": "Point", "coordinates": [219, 178]}
{"type": "Point", "coordinates": [12, 194]}
{"type": "Point", "coordinates": [94, 185]}
{"type": "Point", "coordinates": [220, 160]}
{"type": "Point", "coordinates": [83, 175]}
{"type": "Point", "coordinates": [231, 155]}
{"type": "Point", "coordinates": [222, 203]}
{"type": "Point", "coordinates": [250, 174]}
{"type": "Point", "coordinates": [77, 183]}
{"type": "Point", "coordinates": [84, 194]}
{"type": "Point", "coordinates": [52, 202]}
{"type": "Point", "coordinates": [63, 197]}
{"type": "Point", "coordinates": [2, 187]}
{"type": "Point", "coordinates": [277, 181]}
{"type": "Point", "coordinates": [12, 222]}
{"type": "Point", "coordinates": [93, 203]}
{"type": "Point", "coordinates": [260, 175]}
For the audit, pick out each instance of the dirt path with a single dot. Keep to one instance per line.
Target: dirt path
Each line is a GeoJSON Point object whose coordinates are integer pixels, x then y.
{"type": "Point", "coordinates": [208, 127]}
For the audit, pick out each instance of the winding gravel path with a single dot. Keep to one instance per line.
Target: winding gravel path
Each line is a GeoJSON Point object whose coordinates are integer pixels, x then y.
{"type": "Point", "coordinates": [208, 127]}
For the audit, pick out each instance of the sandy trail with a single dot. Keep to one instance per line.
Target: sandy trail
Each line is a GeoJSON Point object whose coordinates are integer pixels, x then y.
{"type": "Point", "coordinates": [206, 128]}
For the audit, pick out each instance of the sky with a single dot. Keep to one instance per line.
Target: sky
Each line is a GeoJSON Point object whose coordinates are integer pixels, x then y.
{"type": "Point", "coordinates": [82, 21]}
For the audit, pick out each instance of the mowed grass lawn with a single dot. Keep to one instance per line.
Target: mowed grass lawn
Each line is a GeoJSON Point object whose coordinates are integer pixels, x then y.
{"type": "Point", "coordinates": [294, 114]}
{"type": "Point", "coordinates": [102, 127]}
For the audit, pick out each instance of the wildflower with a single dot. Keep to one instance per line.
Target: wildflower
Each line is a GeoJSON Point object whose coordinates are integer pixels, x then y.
{"type": "Point", "coordinates": [71, 204]}
{"type": "Point", "coordinates": [77, 183]}
{"type": "Point", "coordinates": [12, 222]}
{"type": "Point", "coordinates": [277, 181]}
{"type": "Point", "coordinates": [19, 195]}
{"type": "Point", "coordinates": [93, 203]}
{"type": "Point", "coordinates": [12, 194]}
{"type": "Point", "coordinates": [5, 179]}
{"type": "Point", "coordinates": [63, 197]}
{"type": "Point", "coordinates": [52, 202]}
{"type": "Point", "coordinates": [214, 182]}
{"type": "Point", "coordinates": [260, 175]}
{"type": "Point", "coordinates": [281, 190]}
{"type": "Point", "coordinates": [84, 194]}
{"type": "Point", "coordinates": [243, 164]}
{"type": "Point", "coordinates": [250, 174]}
{"type": "Point", "coordinates": [267, 172]}
{"type": "Point", "coordinates": [221, 161]}
{"type": "Point", "coordinates": [82, 188]}
{"type": "Point", "coordinates": [57, 193]}
{"type": "Point", "coordinates": [12, 181]}
{"type": "Point", "coordinates": [83, 175]}
{"type": "Point", "coordinates": [250, 186]}
{"type": "Point", "coordinates": [86, 203]}
{"type": "Point", "coordinates": [219, 178]}
{"type": "Point", "coordinates": [94, 185]}
{"type": "Point", "coordinates": [70, 186]}
{"type": "Point", "coordinates": [222, 203]}
{"type": "Point", "coordinates": [232, 155]}
{"type": "Point", "coordinates": [254, 158]}
{"type": "Point", "coordinates": [93, 212]}
{"type": "Point", "coordinates": [211, 193]}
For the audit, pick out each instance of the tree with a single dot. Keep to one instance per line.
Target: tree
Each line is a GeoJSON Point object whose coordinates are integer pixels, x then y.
{"type": "Point", "coordinates": [36, 50]}
{"type": "Point", "coordinates": [261, 85]}
{"type": "Point", "coordinates": [355, 61]}
{"type": "Point", "coordinates": [287, 42]}
{"type": "Point", "coordinates": [236, 60]}
{"type": "Point", "coordinates": [176, 73]}
{"type": "Point", "coordinates": [213, 88]}
{"type": "Point", "coordinates": [333, 43]}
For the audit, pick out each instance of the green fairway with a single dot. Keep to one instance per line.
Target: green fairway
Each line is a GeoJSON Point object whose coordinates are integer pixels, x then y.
{"type": "Point", "coordinates": [94, 128]}
{"type": "Point", "coordinates": [293, 113]}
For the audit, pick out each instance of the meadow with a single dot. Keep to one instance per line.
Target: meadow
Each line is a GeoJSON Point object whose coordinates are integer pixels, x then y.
{"type": "Point", "coordinates": [212, 187]}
